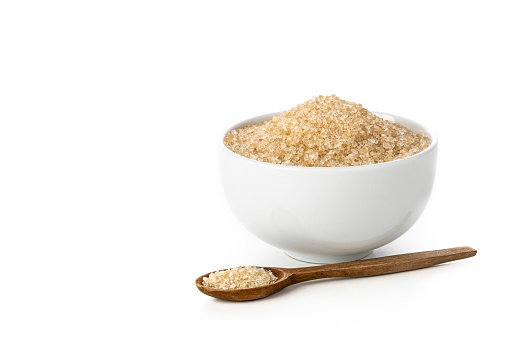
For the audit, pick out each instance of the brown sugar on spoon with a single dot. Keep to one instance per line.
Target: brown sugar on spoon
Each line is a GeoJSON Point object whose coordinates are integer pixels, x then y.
{"type": "Point", "coordinates": [239, 278]}
{"type": "Point", "coordinates": [326, 132]}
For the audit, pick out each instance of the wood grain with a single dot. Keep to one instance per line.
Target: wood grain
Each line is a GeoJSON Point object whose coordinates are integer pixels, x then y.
{"type": "Point", "coordinates": [379, 266]}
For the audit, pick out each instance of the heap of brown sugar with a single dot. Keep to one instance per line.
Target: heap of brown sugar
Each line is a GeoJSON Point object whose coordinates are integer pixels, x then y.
{"type": "Point", "coordinates": [239, 277]}
{"type": "Point", "coordinates": [326, 132]}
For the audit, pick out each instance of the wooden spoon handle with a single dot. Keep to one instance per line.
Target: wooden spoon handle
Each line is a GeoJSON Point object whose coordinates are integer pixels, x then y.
{"type": "Point", "coordinates": [379, 266]}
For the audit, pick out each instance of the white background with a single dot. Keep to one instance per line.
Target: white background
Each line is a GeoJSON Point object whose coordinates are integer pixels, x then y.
{"type": "Point", "coordinates": [110, 199]}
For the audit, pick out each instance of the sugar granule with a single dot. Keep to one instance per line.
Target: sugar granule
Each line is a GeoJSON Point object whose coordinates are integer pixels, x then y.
{"type": "Point", "coordinates": [326, 132]}
{"type": "Point", "coordinates": [239, 277]}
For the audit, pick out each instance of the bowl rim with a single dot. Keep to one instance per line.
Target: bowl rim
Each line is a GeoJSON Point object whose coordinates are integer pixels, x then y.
{"type": "Point", "coordinates": [268, 116]}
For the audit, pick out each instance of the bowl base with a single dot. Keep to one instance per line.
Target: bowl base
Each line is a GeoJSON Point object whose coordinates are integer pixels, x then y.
{"type": "Point", "coordinates": [326, 259]}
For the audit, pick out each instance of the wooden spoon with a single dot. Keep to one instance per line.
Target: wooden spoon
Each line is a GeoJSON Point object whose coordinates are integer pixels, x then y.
{"type": "Point", "coordinates": [360, 268]}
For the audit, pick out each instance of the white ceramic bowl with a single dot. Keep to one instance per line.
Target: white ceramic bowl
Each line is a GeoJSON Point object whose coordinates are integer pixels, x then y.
{"type": "Point", "coordinates": [329, 214]}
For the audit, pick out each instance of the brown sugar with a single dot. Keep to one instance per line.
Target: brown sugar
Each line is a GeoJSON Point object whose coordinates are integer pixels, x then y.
{"type": "Point", "coordinates": [239, 277]}
{"type": "Point", "coordinates": [326, 132]}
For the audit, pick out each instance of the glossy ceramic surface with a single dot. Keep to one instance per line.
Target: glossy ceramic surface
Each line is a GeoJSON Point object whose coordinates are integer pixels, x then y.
{"type": "Point", "coordinates": [324, 214]}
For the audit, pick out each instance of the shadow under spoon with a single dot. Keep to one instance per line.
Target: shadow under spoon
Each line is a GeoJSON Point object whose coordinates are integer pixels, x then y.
{"type": "Point", "coordinates": [360, 268]}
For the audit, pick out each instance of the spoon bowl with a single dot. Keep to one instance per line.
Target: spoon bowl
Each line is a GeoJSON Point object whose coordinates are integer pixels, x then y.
{"type": "Point", "coordinates": [283, 280]}
{"type": "Point", "coordinates": [362, 268]}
